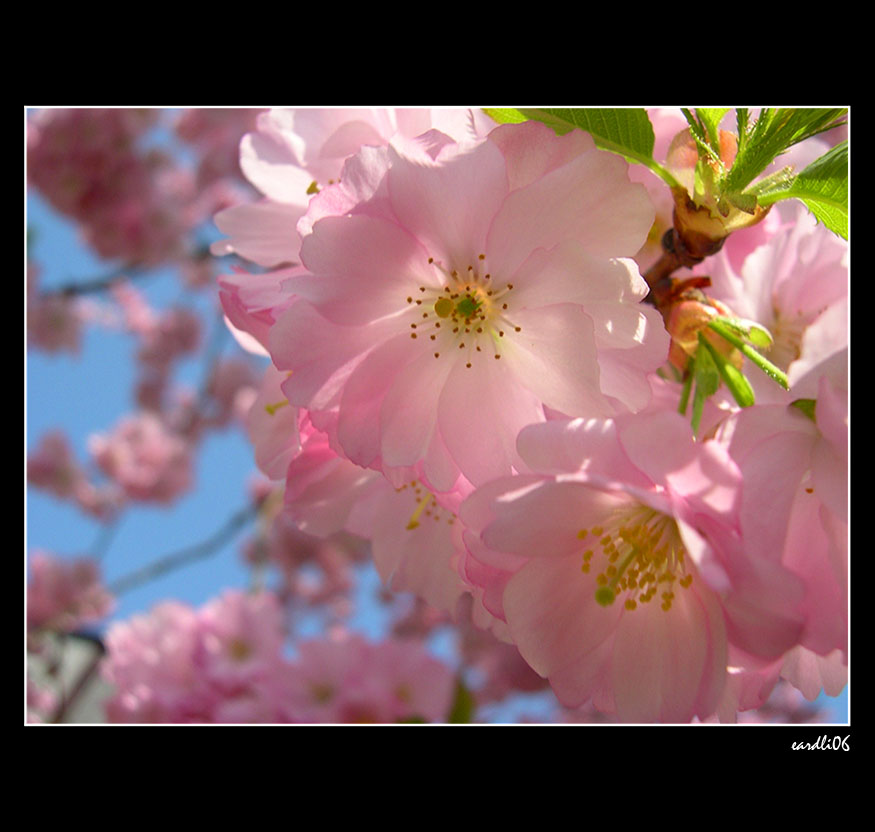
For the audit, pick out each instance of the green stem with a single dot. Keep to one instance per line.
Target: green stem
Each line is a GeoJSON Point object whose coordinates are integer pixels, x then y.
{"type": "Point", "coordinates": [748, 351]}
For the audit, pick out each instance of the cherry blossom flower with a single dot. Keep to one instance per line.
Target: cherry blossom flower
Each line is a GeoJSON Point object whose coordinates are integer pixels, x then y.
{"type": "Point", "coordinates": [221, 663]}
{"type": "Point", "coordinates": [609, 566]}
{"type": "Point", "coordinates": [53, 467]}
{"type": "Point", "coordinates": [145, 458]}
{"type": "Point", "coordinates": [464, 288]}
{"type": "Point", "coordinates": [413, 532]}
{"type": "Point", "coordinates": [794, 509]}
{"type": "Point", "coordinates": [294, 153]}
{"type": "Point", "coordinates": [351, 680]}
{"type": "Point", "coordinates": [54, 322]}
{"type": "Point", "coordinates": [795, 285]}
{"type": "Point", "coordinates": [62, 595]}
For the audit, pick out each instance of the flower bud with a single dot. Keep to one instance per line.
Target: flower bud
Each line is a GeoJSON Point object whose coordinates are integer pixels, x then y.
{"type": "Point", "coordinates": [688, 318]}
{"type": "Point", "coordinates": [703, 215]}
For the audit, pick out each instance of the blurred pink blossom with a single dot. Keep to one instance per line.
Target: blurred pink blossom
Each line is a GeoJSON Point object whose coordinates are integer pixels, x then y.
{"type": "Point", "coordinates": [145, 458]}
{"type": "Point", "coordinates": [62, 595]}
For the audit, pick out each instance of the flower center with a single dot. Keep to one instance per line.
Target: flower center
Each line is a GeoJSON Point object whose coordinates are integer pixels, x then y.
{"type": "Point", "coordinates": [787, 333]}
{"type": "Point", "coordinates": [467, 312]}
{"type": "Point", "coordinates": [425, 506]}
{"type": "Point", "coordinates": [239, 650]}
{"type": "Point", "coordinates": [640, 553]}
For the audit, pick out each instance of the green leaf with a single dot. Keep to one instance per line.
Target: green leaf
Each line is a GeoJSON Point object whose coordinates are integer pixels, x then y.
{"type": "Point", "coordinates": [505, 115]}
{"type": "Point", "coordinates": [711, 118]}
{"type": "Point", "coordinates": [822, 186]}
{"type": "Point", "coordinates": [732, 377]}
{"type": "Point", "coordinates": [742, 119]}
{"type": "Point", "coordinates": [774, 132]}
{"type": "Point", "coordinates": [700, 137]}
{"type": "Point", "coordinates": [623, 130]}
{"type": "Point", "coordinates": [744, 202]}
{"type": "Point", "coordinates": [464, 704]}
{"type": "Point", "coordinates": [413, 720]}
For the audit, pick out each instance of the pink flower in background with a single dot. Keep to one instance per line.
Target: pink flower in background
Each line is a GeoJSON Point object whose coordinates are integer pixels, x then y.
{"type": "Point", "coordinates": [145, 458]}
{"type": "Point", "coordinates": [151, 662]}
{"type": "Point", "coordinates": [794, 508]}
{"type": "Point", "coordinates": [241, 637]}
{"type": "Point", "coordinates": [130, 204]}
{"type": "Point", "coordinates": [54, 322]}
{"type": "Point", "coordinates": [215, 133]}
{"type": "Point", "coordinates": [796, 285]}
{"type": "Point", "coordinates": [62, 595]}
{"type": "Point", "coordinates": [351, 680]}
{"type": "Point", "coordinates": [52, 466]}
{"type": "Point", "coordinates": [476, 285]}
{"type": "Point", "coordinates": [222, 663]}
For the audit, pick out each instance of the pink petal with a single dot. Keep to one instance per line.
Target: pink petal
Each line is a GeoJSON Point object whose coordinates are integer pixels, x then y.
{"type": "Point", "coordinates": [263, 232]}
{"type": "Point", "coordinates": [589, 200]}
{"type": "Point", "coordinates": [449, 206]}
{"type": "Point", "coordinates": [554, 356]}
{"type": "Point", "coordinates": [366, 268]}
{"type": "Point", "coordinates": [484, 446]}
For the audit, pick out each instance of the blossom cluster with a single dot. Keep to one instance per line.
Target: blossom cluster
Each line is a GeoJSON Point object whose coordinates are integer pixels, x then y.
{"type": "Point", "coordinates": [224, 663]}
{"type": "Point", "coordinates": [474, 360]}
{"type": "Point", "coordinates": [468, 373]}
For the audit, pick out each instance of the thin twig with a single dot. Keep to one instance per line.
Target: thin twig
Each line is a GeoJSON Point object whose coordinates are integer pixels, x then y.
{"type": "Point", "coordinates": [189, 554]}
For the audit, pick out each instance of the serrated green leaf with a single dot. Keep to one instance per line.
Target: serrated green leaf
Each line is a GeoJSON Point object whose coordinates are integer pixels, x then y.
{"type": "Point", "coordinates": [700, 136]}
{"type": "Point", "coordinates": [823, 187]}
{"type": "Point", "coordinates": [627, 130]}
{"type": "Point", "coordinates": [711, 118]}
{"type": "Point", "coordinates": [623, 130]}
{"type": "Point", "coordinates": [744, 202]}
{"type": "Point", "coordinates": [742, 119]}
{"type": "Point", "coordinates": [774, 132]}
{"type": "Point", "coordinates": [782, 178]}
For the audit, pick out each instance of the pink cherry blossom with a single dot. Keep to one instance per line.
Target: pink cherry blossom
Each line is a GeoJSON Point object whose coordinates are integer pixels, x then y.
{"type": "Point", "coordinates": [569, 560]}
{"type": "Point", "coordinates": [293, 153]}
{"type": "Point", "coordinates": [52, 466]}
{"type": "Point", "coordinates": [476, 285]}
{"type": "Point", "coordinates": [221, 663]}
{"type": "Point", "coordinates": [130, 203]}
{"type": "Point", "coordinates": [795, 285]}
{"type": "Point", "coordinates": [54, 322]}
{"type": "Point", "coordinates": [215, 133]}
{"type": "Point", "coordinates": [62, 595]}
{"type": "Point", "coordinates": [794, 510]}
{"type": "Point", "coordinates": [351, 680]}
{"type": "Point", "coordinates": [145, 458]}
{"type": "Point", "coordinates": [413, 532]}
